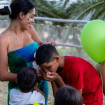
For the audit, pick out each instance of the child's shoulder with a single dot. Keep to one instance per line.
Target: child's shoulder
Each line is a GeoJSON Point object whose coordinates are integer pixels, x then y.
{"type": "Point", "coordinates": [14, 90]}
{"type": "Point", "coordinates": [37, 93]}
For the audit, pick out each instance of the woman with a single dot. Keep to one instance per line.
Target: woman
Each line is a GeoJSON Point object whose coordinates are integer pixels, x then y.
{"type": "Point", "coordinates": [19, 42]}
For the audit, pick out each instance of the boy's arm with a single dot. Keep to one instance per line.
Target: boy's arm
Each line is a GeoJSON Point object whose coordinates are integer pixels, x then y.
{"type": "Point", "coordinates": [57, 84]}
{"type": "Point", "coordinates": [38, 90]}
{"type": "Point", "coordinates": [56, 81]}
{"type": "Point", "coordinates": [54, 87]}
{"type": "Point", "coordinates": [59, 81]}
{"type": "Point", "coordinates": [52, 76]}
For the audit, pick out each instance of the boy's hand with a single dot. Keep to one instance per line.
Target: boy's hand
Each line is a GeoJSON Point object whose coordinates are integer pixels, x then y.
{"type": "Point", "coordinates": [51, 76]}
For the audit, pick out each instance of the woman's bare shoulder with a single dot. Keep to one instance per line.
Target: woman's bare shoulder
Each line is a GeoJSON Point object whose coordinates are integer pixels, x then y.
{"type": "Point", "coordinates": [5, 34]}
{"type": "Point", "coordinates": [31, 30]}
{"type": "Point", "coordinates": [4, 39]}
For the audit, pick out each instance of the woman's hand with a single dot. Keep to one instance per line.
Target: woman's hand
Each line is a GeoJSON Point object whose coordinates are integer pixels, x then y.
{"type": "Point", "coordinates": [49, 41]}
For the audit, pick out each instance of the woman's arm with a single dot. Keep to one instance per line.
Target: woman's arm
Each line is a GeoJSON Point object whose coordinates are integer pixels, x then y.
{"type": "Point", "coordinates": [34, 35]}
{"type": "Point", "coordinates": [5, 75]}
{"type": "Point", "coordinates": [36, 38]}
{"type": "Point", "coordinates": [102, 72]}
{"type": "Point", "coordinates": [97, 67]}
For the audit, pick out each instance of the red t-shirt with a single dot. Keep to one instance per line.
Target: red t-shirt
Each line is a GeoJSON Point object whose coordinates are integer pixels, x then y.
{"type": "Point", "coordinates": [80, 74]}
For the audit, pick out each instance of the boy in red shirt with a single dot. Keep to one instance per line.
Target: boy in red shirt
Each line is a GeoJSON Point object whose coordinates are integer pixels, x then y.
{"type": "Point", "coordinates": [73, 71]}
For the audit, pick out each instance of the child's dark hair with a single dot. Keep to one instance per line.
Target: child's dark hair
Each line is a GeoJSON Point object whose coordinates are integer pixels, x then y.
{"type": "Point", "coordinates": [26, 79]}
{"type": "Point", "coordinates": [45, 53]}
{"type": "Point", "coordinates": [67, 96]}
{"type": "Point", "coordinates": [17, 6]}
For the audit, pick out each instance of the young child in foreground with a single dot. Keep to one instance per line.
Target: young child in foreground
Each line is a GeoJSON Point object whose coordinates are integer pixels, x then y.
{"type": "Point", "coordinates": [67, 95]}
{"type": "Point", "coordinates": [74, 71]}
{"type": "Point", "coordinates": [28, 93]}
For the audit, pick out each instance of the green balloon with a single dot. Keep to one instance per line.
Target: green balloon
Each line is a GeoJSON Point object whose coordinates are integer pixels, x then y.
{"type": "Point", "coordinates": [93, 39]}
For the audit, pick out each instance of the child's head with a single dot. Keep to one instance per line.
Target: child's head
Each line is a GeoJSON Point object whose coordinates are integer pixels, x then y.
{"type": "Point", "coordinates": [26, 79]}
{"type": "Point", "coordinates": [67, 96]}
{"type": "Point", "coordinates": [47, 57]}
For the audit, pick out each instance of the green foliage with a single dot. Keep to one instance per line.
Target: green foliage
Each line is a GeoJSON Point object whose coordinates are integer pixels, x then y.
{"type": "Point", "coordinates": [82, 9]}
{"type": "Point", "coordinates": [94, 9]}
{"type": "Point", "coordinates": [54, 9]}
{"type": "Point", "coordinates": [66, 51]}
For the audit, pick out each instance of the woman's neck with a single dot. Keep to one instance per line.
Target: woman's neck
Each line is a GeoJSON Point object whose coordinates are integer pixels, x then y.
{"type": "Point", "coordinates": [15, 27]}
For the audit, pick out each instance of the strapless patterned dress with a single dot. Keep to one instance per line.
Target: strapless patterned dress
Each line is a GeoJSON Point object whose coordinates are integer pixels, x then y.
{"type": "Point", "coordinates": [21, 58]}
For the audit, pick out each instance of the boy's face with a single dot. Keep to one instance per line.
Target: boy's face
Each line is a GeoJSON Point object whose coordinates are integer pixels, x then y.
{"type": "Point", "coordinates": [51, 66]}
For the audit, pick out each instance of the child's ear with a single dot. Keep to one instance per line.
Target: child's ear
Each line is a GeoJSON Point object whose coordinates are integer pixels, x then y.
{"type": "Point", "coordinates": [57, 58]}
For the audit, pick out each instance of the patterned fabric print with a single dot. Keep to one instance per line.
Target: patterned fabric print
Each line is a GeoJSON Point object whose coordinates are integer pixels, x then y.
{"type": "Point", "coordinates": [21, 58]}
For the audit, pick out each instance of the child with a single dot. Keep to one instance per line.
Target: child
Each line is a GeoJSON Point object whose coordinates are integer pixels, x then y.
{"type": "Point", "coordinates": [26, 80]}
{"type": "Point", "coordinates": [67, 95]}
{"type": "Point", "coordinates": [70, 70]}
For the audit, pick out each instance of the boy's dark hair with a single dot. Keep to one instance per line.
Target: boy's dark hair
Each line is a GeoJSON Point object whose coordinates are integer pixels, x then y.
{"type": "Point", "coordinates": [17, 6]}
{"type": "Point", "coordinates": [67, 96]}
{"type": "Point", "coordinates": [26, 79]}
{"type": "Point", "coordinates": [45, 53]}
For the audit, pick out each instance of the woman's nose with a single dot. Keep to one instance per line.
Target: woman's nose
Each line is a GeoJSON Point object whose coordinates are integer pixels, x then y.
{"type": "Point", "coordinates": [33, 20]}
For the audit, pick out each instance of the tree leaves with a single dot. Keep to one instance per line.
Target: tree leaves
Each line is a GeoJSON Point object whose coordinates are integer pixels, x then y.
{"type": "Point", "coordinates": [82, 9]}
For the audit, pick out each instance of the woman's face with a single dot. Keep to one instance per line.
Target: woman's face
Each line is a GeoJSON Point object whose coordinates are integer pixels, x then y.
{"type": "Point", "coordinates": [28, 19]}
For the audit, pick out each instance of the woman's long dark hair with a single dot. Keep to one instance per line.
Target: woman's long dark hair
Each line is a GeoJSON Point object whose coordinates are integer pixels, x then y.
{"type": "Point", "coordinates": [16, 7]}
